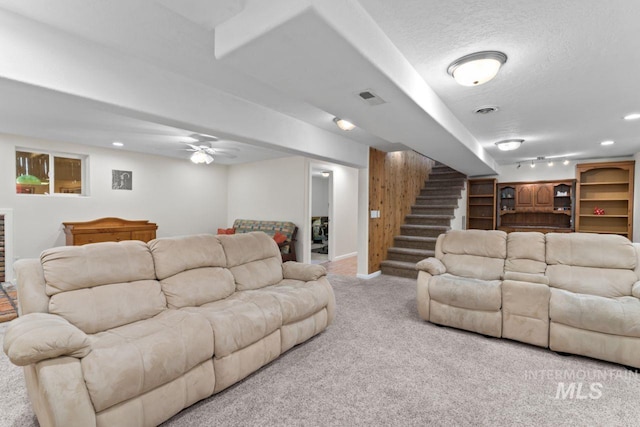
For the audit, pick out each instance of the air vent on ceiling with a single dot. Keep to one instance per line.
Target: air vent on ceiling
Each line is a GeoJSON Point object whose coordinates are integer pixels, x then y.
{"type": "Point", "coordinates": [486, 110]}
{"type": "Point", "coordinates": [370, 98]}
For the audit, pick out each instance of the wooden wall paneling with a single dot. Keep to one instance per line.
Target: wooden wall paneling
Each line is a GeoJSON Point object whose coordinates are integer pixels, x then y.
{"type": "Point", "coordinates": [395, 180]}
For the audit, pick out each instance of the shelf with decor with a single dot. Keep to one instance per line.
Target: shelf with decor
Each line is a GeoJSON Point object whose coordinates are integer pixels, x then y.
{"type": "Point", "coordinates": [481, 204]}
{"type": "Point", "coordinates": [605, 198]}
{"type": "Point", "coordinates": [541, 206]}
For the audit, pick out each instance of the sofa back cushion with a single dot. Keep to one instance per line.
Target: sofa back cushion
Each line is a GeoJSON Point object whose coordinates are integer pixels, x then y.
{"type": "Point", "coordinates": [286, 228]}
{"type": "Point", "coordinates": [526, 252]}
{"type": "Point", "coordinates": [253, 258]}
{"type": "Point", "coordinates": [192, 269]}
{"type": "Point", "coordinates": [478, 254]}
{"type": "Point", "coordinates": [102, 285]}
{"type": "Point", "coordinates": [594, 264]}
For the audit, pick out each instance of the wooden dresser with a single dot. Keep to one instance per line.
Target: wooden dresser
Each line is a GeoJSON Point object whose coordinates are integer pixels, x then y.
{"type": "Point", "coordinates": [108, 230]}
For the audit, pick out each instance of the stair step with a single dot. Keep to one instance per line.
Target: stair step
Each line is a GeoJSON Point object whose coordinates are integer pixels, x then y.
{"type": "Point", "coordinates": [438, 200]}
{"type": "Point", "coordinates": [408, 254]}
{"type": "Point", "coordinates": [441, 190]}
{"type": "Point", "coordinates": [428, 219]}
{"type": "Point", "coordinates": [433, 209]}
{"type": "Point", "coordinates": [446, 174]}
{"type": "Point", "coordinates": [423, 230]}
{"type": "Point", "coordinates": [415, 242]}
{"type": "Point", "coordinates": [399, 268]}
{"type": "Point", "coordinates": [437, 183]}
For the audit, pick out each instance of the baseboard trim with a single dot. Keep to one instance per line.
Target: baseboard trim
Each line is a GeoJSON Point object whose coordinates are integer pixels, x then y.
{"type": "Point", "coordinates": [345, 256]}
{"type": "Point", "coordinates": [369, 276]}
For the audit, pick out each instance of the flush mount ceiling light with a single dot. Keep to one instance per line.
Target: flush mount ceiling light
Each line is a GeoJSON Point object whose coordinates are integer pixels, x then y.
{"type": "Point", "coordinates": [200, 157]}
{"type": "Point", "coordinates": [632, 116]}
{"type": "Point", "coordinates": [343, 124]}
{"type": "Point", "coordinates": [477, 68]}
{"type": "Point", "coordinates": [509, 144]}
{"type": "Point", "coordinates": [607, 142]}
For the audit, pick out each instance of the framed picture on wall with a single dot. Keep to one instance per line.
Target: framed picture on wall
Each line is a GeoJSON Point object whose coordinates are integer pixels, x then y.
{"type": "Point", "coordinates": [121, 180]}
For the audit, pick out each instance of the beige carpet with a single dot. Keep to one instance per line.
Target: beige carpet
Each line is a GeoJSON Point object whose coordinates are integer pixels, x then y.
{"type": "Point", "coordinates": [378, 364]}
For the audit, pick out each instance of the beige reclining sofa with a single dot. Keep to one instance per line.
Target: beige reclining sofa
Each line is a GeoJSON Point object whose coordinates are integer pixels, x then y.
{"type": "Point", "coordinates": [572, 292]}
{"type": "Point", "coordinates": [129, 333]}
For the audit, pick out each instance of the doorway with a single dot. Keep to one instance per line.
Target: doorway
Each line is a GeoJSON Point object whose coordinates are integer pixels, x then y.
{"type": "Point", "coordinates": [320, 215]}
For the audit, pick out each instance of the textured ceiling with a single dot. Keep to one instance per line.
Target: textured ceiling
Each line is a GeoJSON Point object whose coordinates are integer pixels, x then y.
{"type": "Point", "coordinates": [571, 72]}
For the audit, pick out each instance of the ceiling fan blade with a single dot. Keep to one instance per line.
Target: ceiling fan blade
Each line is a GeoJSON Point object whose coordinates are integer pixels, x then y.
{"type": "Point", "coordinates": [202, 138]}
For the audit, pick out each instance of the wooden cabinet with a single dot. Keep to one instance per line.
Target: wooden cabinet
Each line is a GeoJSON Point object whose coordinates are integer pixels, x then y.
{"type": "Point", "coordinates": [605, 198]}
{"type": "Point", "coordinates": [108, 230]}
{"type": "Point", "coordinates": [536, 206]}
{"type": "Point", "coordinates": [534, 197]}
{"type": "Point", "coordinates": [543, 197]}
{"type": "Point", "coordinates": [481, 204]}
{"type": "Point", "coordinates": [524, 196]}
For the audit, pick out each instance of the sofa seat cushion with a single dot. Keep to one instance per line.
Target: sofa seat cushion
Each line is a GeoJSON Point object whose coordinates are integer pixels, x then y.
{"type": "Point", "coordinates": [299, 300]}
{"type": "Point", "coordinates": [615, 316]}
{"type": "Point", "coordinates": [132, 359]}
{"type": "Point", "coordinates": [240, 320]}
{"type": "Point", "coordinates": [467, 293]}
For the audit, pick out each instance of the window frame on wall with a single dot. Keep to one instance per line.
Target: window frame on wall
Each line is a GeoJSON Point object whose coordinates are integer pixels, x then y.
{"type": "Point", "coordinates": [50, 174]}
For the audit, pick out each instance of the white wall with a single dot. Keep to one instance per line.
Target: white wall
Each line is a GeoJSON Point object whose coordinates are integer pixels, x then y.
{"type": "Point", "coordinates": [180, 197]}
{"type": "Point", "coordinates": [343, 228]}
{"type": "Point", "coordinates": [272, 190]}
{"type": "Point", "coordinates": [319, 196]}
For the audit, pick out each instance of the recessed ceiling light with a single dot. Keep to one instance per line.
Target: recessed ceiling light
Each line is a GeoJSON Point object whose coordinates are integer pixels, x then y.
{"type": "Point", "coordinates": [477, 68]}
{"type": "Point", "coordinates": [509, 144]}
{"type": "Point", "coordinates": [607, 142]}
{"type": "Point", "coordinates": [632, 116]}
{"type": "Point", "coordinates": [117, 144]}
{"type": "Point", "coordinates": [343, 124]}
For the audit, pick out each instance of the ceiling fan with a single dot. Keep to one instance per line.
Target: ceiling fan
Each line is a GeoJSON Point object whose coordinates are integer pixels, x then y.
{"type": "Point", "coordinates": [204, 151]}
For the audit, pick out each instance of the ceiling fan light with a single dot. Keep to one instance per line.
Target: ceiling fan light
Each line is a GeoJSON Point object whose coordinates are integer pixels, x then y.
{"type": "Point", "coordinates": [509, 144]}
{"type": "Point", "coordinates": [477, 68]}
{"type": "Point", "coordinates": [344, 124]}
{"type": "Point", "coordinates": [200, 157]}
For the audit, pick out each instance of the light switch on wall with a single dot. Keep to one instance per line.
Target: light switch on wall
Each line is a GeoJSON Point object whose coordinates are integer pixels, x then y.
{"type": "Point", "coordinates": [375, 214]}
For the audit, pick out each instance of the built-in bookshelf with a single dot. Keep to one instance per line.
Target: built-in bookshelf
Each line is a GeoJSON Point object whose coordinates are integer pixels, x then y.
{"type": "Point", "coordinates": [481, 204]}
{"type": "Point", "coordinates": [605, 198]}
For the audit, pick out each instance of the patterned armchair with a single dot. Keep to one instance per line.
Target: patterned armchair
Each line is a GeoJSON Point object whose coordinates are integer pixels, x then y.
{"type": "Point", "coordinates": [289, 229]}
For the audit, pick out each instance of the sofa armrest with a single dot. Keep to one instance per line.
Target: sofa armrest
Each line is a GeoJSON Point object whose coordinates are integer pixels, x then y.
{"type": "Point", "coordinates": [526, 277]}
{"type": "Point", "coordinates": [299, 271]}
{"type": "Point", "coordinates": [38, 336]}
{"type": "Point", "coordinates": [635, 289]}
{"type": "Point", "coordinates": [432, 266]}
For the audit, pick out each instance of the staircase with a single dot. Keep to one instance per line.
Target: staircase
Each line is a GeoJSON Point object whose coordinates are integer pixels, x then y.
{"type": "Point", "coordinates": [430, 216]}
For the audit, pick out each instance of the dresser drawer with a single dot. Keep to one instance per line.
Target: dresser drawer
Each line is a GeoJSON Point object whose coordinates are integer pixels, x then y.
{"type": "Point", "coordinates": [83, 239]}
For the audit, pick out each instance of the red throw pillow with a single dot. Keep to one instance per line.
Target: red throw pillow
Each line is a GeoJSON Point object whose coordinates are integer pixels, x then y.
{"type": "Point", "coordinates": [279, 238]}
{"type": "Point", "coordinates": [226, 231]}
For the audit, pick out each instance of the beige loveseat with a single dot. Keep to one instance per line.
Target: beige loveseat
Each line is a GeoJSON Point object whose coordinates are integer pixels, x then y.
{"type": "Point", "coordinates": [572, 292]}
{"type": "Point", "coordinates": [129, 334]}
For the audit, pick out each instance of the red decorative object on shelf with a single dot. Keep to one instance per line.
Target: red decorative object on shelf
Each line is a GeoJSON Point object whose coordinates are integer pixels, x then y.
{"type": "Point", "coordinates": [598, 211]}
